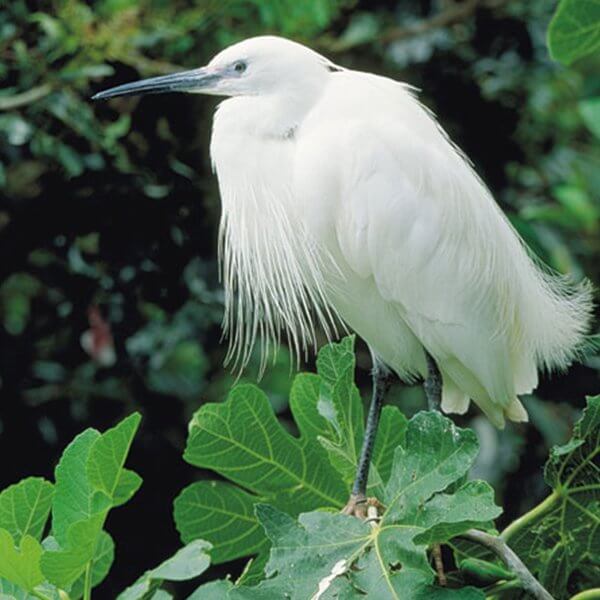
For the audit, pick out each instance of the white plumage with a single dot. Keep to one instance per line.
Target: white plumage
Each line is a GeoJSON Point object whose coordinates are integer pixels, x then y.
{"type": "Point", "coordinates": [342, 194]}
{"type": "Point", "coordinates": [344, 200]}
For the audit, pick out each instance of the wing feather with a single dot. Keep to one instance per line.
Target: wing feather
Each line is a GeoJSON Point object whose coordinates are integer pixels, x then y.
{"type": "Point", "coordinates": [415, 217]}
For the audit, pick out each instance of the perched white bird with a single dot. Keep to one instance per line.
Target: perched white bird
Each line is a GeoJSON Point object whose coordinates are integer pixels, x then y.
{"type": "Point", "coordinates": [344, 199]}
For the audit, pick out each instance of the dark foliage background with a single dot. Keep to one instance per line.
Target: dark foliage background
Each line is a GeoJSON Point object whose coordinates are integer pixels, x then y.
{"type": "Point", "coordinates": [109, 298]}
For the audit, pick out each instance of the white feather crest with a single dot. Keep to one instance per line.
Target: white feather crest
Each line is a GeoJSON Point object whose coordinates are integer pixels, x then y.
{"type": "Point", "coordinates": [272, 272]}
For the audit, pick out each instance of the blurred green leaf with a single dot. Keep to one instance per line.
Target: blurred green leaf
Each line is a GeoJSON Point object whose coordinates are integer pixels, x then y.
{"type": "Point", "coordinates": [16, 130]}
{"type": "Point", "coordinates": [180, 372]}
{"type": "Point", "coordinates": [16, 294]}
{"type": "Point", "coordinates": [574, 31]}
{"type": "Point", "coordinates": [590, 112]}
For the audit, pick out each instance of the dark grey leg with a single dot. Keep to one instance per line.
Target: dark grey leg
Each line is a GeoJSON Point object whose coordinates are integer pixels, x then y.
{"type": "Point", "coordinates": [433, 384]}
{"type": "Point", "coordinates": [381, 382]}
{"type": "Point", "coordinates": [433, 391]}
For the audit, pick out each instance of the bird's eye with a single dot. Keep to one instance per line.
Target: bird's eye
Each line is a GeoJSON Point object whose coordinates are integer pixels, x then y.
{"type": "Point", "coordinates": [239, 66]}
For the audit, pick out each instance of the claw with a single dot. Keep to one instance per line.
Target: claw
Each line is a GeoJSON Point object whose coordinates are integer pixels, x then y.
{"type": "Point", "coordinates": [356, 506]}
{"type": "Point", "coordinates": [361, 507]}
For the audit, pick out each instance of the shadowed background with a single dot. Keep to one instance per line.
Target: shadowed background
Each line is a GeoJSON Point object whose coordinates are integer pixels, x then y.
{"type": "Point", "coordinates": [109, 295]}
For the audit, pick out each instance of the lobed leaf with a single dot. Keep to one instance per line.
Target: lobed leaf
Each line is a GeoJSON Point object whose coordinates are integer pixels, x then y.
{"type": "Point", "coordinates": [242, 440]}
{"type": "Point", "coordinates": [214, 590]}
{"type": "Point", "coordinates": [448, 515]}
{"type": "Point", "coordinates": [104, 467]}
{"type": "Point", "coordinates": [224, 515]}
{"type": "Point", "coordinates": [391, 433]}
{"type": "Point", "coordinates": [340, 409]}
{"type": "Point", "coordinates": [73, 491]}
{"type": "Point", "coordinates": [63, 566]}
{"type": "Point", "coordinates": [328, 555]}
{"type": "Point", "coordinates": [20, 566]}
{"type": "Point", "coordinates": [339, 556]}
{"type": "Point", "coordinates": [24, 508]}
{"type": "Point", "coordinates": [90, 480]}
{"type": "Point", "coordinates": [559, 540]}
{"type": "Point", "coordinates": [187, 563]}
{"type": "Point", "coordinates": [102, 561]}
{"type": "Point", "coordinates": [436, 454]}
{"type": "Point", "coordinates": [339, 400]}
{"type": "Point", "coordinates": [11, 591]}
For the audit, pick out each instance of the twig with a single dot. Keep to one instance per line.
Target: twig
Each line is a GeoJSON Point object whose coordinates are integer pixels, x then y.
{"type": "Point", "coordinates": [457, 11]}
{"type": "Point", "coordinates": [436, 551]}
{"type": "Point", "coordinates": [28, 97]}
{"type": "Point", "coordinates": [501, 549]}
{"type": "Point", "coordinates": [149, 65]}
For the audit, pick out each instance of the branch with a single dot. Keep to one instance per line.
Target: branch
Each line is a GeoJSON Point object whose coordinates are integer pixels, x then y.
{"type": "Point", "coordinates": [149, 65]}
{"type": "Point", "coordinates": [501, 549]}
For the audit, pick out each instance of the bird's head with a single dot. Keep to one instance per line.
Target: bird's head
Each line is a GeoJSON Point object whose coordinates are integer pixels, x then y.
{"type": "Point", "coordinates": [259, 65]}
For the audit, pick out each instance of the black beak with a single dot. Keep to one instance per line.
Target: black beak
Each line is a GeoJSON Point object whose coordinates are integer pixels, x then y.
{"type": "Point", "coordinates": [189, 81]}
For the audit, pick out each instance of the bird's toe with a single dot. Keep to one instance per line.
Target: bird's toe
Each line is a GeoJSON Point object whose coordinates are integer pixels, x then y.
{"type": "Point", "coordinates": [361, 507]}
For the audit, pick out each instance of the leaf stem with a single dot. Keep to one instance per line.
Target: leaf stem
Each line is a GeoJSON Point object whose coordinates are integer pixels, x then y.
{"type": "Point", "coordinates": [592, 594]}
{"type": "Point", "coordinates": [501, 549]}
{"type": "Point", "coordinates": [530, 516]}
{"type": "Point", "coordinates": [87, 586]}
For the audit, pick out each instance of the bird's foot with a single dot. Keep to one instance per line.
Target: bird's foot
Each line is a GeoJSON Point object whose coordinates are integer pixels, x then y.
{"type": "Point", "coordinates": [356, 506]}
{"type": "Point", "coordinates": [361, 507]}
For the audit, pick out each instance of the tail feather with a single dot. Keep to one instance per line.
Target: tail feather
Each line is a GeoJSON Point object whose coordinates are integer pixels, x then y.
{"type": "Point", "coordinates": [555, 319]}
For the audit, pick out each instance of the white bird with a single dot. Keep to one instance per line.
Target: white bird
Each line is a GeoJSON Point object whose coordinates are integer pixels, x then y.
{"type": "Point", "coordinates": [344, 200]}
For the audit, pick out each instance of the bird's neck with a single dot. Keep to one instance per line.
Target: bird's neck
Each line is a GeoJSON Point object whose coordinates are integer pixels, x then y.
{"type": "Point", "coordinates": [275, 115]}
{"type": "Point", "coordinates": [270, 265]}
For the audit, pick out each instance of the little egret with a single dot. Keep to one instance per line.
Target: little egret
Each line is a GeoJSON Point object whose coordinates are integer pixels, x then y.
{"type": "Point", "coordinates": [345, 202]}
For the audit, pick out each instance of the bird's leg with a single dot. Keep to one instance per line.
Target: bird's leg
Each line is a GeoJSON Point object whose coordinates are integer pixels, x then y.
{"type": "Point", "coordinates": [357, 504]}
{"type": "Point", "coordinates": [433, 390]}
{"type": "Point", "coordinates": [433, 384]}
